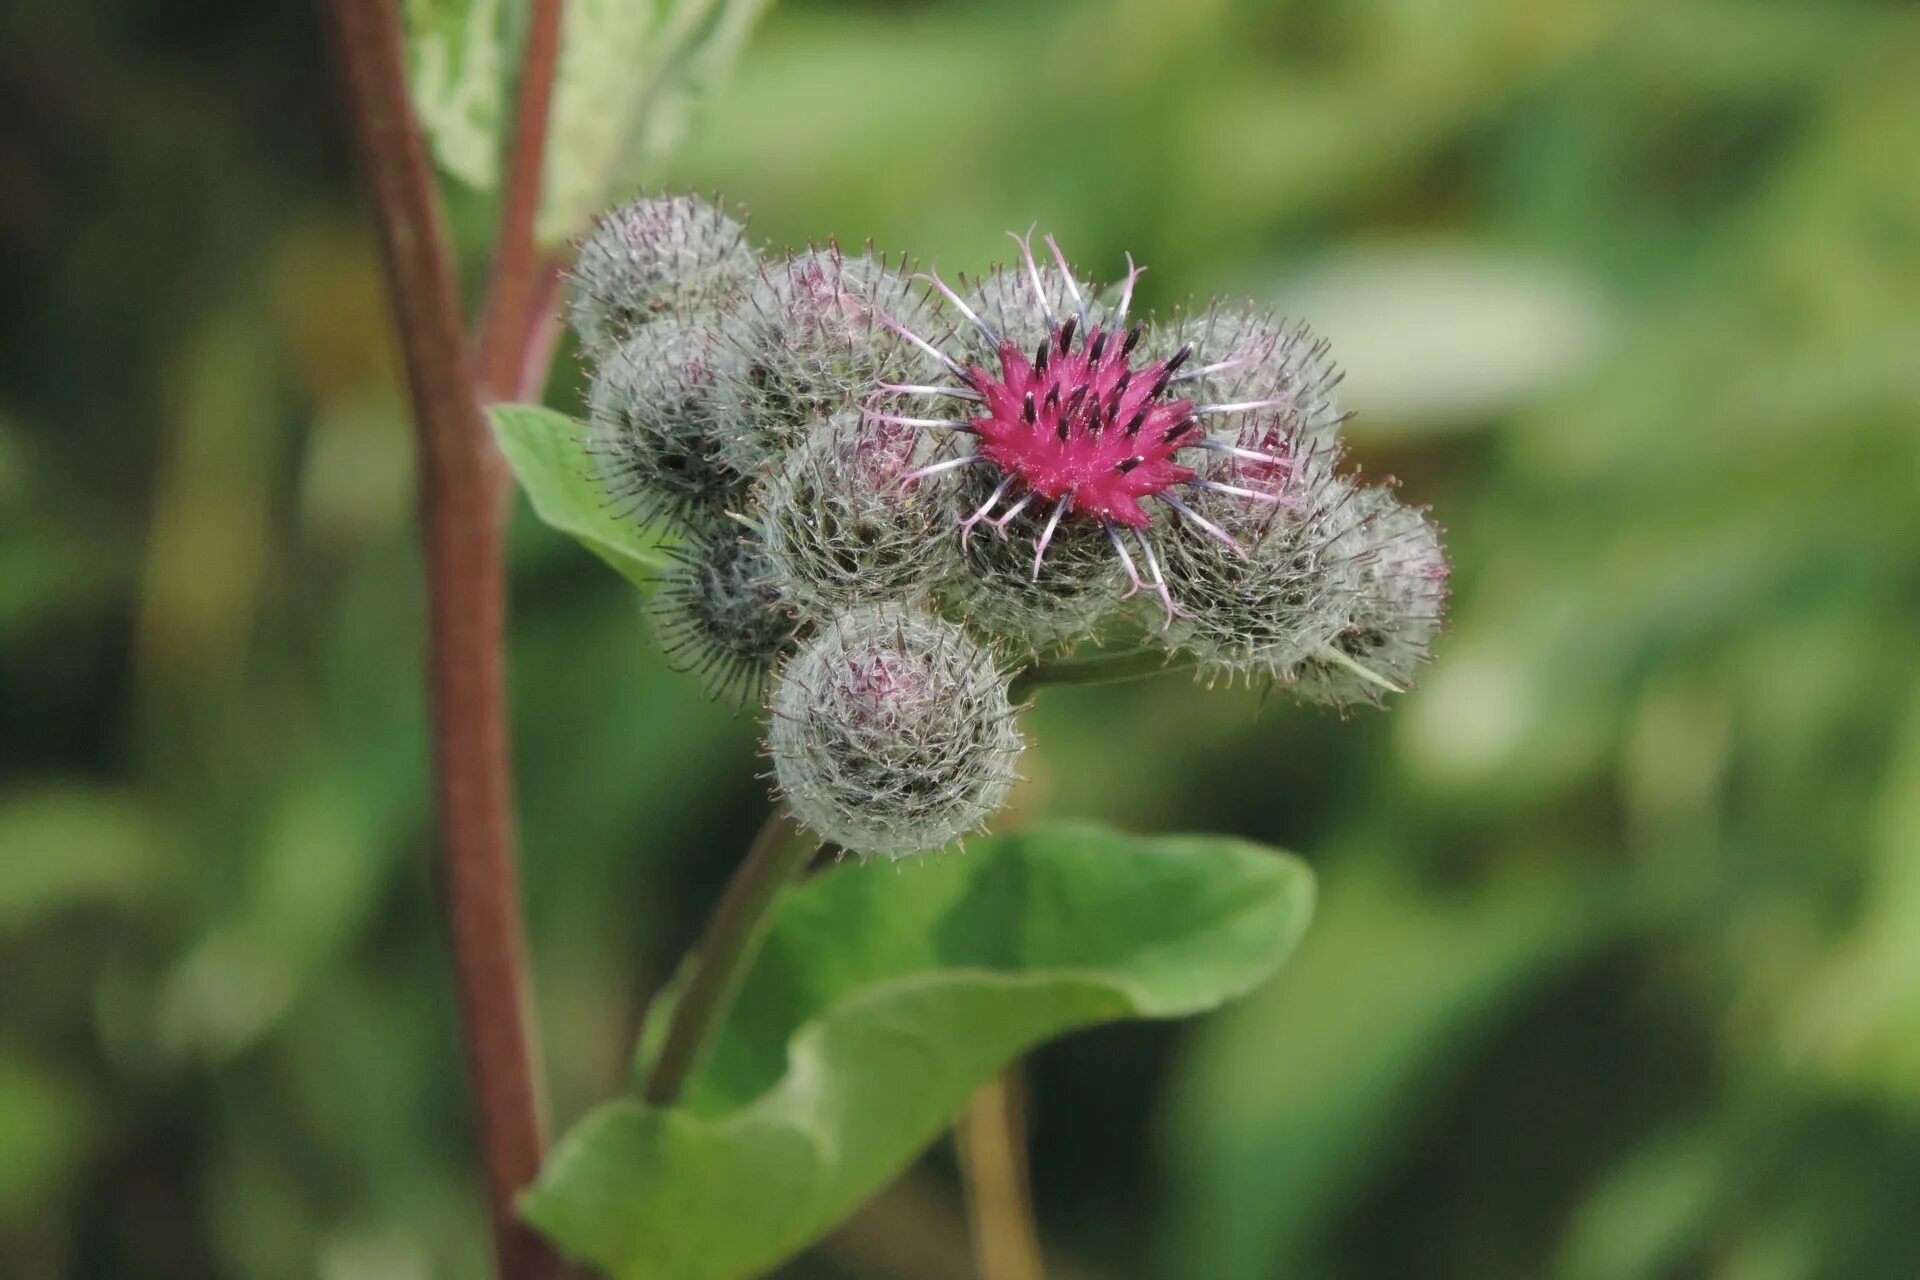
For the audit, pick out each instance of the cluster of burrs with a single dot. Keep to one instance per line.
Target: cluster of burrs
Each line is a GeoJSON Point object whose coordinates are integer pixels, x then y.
{"type": "Point", "coordinates": [886, 496]}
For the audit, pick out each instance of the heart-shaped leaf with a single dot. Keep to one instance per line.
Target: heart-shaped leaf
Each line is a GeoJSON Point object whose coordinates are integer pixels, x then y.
{"type": "Point", "coordinates": [548, 459]}
{"type": "Point", "coordinates": [883, 998]}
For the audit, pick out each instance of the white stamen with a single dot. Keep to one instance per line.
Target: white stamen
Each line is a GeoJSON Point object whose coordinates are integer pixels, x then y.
{"type": "Point", "coordinates": [1243, 406]}
{"type": "Point", "coordinates": [1046, 536]}
{"type": "Point", "coordinates": [1236, 490]}
{"type": "Point", "coordinates": [966, 526]}
{"type": "Point", "coordinates": [1203, 522]}
{"type": "Point", "coordinates": [1126, 293]}
{"type": "Point", "coordinates": [1234, 450]}
{"type": "Point", "coordinates": [1133, 574]}
{"type": "Point", "coordinates": [965, 310]}
{"type": "Point", "coordinates": [1205, 369]}
{"type": "Point", "coordinates": [900, 421]}
{"type": "Point", "coordinates": [1033, 271]}
{"type": "Point", "coordinates": [1006, 517]}
{"type": "Point", "coordinates": [1073, 290]}
{"type": "Point", "coordinates": [921, 389]}
{"type": "Point", "coordinates": [1159, 579]}
{"type": "Point", "coordinates": [938, 467]}
{"type": "Point", "coordinates": [919, 342]}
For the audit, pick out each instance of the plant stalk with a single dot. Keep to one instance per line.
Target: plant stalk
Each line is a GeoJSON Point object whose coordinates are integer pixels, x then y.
{"type": "Point", "coordinates": [519, 294]}
{"type": "Point", "coordinates": [1099, 668]}
{"type": "Point", "coordinates": [778, 853]}
{"type": "Point", "coordinates": [461, 493]}
{"type": "Point", "coordinates": [992, 1142]}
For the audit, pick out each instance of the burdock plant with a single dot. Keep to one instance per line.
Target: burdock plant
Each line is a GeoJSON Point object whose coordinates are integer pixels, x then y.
{"type": "Point", "coordinates": [1025, 472]}
{"type": "Point", "coordinates": [881, 511]}
{"type": "Point", "coordinates": [889, 509]}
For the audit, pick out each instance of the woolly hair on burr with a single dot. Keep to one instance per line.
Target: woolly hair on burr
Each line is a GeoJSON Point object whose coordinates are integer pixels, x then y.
{"type": "Point", "coordinates": [653, 256]}
{"type": "Point", "coordinates": [847, 518]}
{"type": "Point", "coordinates": [648, 420]}
{"type": "Point", "coordinates": [1249, 356]}
{"type": "Point", "coordinates": [1017, 310]}
{"type": "Point", "coordinates": [1255, 607]}
{"type": "Point", "coordinates": [721, 616]}
{"type": "Point", "coordinates": [1038, 611]}
{"type": "Point", "coordinates": [891, 732]}
{"type": "Point", "coordinates": [811, 335]}
{"type": "Point", "coordinates": [1089, 436]}
{"type": "Point", "coordinates": [1396, 598]}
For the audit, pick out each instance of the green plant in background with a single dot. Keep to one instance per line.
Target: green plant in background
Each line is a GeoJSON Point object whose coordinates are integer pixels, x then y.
{"type": "Point", "coordinates": [764, 411]}
{"type": "Point", "coordinates": [1610, 973]}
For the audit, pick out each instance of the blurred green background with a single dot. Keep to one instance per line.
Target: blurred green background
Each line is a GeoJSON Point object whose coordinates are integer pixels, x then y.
{"type": "Point", "coordinates": [1618, 968]}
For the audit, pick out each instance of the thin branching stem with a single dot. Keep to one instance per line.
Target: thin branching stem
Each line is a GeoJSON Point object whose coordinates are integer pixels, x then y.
{"type": "Point", "coordinates": [1099, 668]}
{"type": "Point", "coordinates": [519, 297]}
{"type": "Point", "coordinates": [732, 939]}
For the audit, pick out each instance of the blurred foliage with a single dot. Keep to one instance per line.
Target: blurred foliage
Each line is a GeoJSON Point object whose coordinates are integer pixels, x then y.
{"type": "Point", "coordinates": [1618, 974]}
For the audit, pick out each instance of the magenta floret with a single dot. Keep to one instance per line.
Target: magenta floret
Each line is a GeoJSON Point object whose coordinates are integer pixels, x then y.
{"type": "Point", "coordinates": [1082, 425]}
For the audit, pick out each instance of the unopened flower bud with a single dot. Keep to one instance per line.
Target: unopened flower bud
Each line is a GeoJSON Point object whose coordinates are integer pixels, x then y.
{"type": "Point", "coordinates": [847, 519]}
{"type": "Point", "coordinates": [649, 424]}
{"type": "Point", "coordinates": [1396, 601]}
{"type": "Point", "coordinates": [720, 614]}
{"type": "Point", "coordinates": [653, 256]}
{"type": "Point", "coordinates": [892, 732]}
{"type": "Point", "coordinates": [812, 335]}
{"type": "Point", "coordinates": [1257, 606]}
{"type": "Point", "coordinates": [1250, 356]}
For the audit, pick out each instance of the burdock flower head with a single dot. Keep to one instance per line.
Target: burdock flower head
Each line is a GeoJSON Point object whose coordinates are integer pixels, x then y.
{"type": "Point", "coordinates": [909, 488]}
{"type": "Point", "coordinates": [1099, 422]}
{"type": "Point", "coordinates": [1089, 428]}
{"type": "Point", "coordinates": [892, 733]}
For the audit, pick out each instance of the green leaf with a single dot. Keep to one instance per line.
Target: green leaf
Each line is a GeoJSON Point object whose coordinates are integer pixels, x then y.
{"type": "Point", "coordinates": [883, 998]}
{"type": "Point", "coordinates": [629, 78]}
{"type": "Point", "coordinates": [631, 74]}
{"type": "Point", "coordinates": [698, 72]}
{"type": "Point", "coordinates": [545, 451]}
{"type": "Point", "coordinates": [457, 55]}
{"type": "Point", "coordinates": [605, 57]}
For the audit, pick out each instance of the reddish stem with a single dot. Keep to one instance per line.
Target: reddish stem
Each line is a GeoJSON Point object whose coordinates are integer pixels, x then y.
{"type": "Point", "coordinates": [517, 283]}
{"type": "Point", "coordinates": [461, 492]}
{"type": "Point", "coordinates": [541, 338]}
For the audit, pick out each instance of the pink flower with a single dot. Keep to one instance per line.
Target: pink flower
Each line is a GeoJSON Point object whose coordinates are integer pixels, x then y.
{"type": "Point", "coordinates": [1089, 425]}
